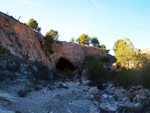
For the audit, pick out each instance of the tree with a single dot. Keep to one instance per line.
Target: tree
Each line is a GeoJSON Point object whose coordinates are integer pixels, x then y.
{"type": "Point", "coordinates": [102, 46]}
{"type": "Point", "coordinates": [48, 41]}
{"type": "Point", "coordinates": [33, 25]}
{"type": "Point", "coordinates": [140, 58]}
{"type": "Point", "coordinates": [124, 51]}
{"type": "Point", "coordinates": [94, 41]}
{"type": "Point", "coordinates": [83, 39]}
{"type": "Point", "coordinates": [72, 40]}
{"type": "Point", "coordinates": [53, 34]}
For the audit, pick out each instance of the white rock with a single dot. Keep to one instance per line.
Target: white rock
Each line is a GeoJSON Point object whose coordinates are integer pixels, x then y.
{"type": "Point", "coordinates": [91, 97]}
{"type": "Point", "coordinates": [137, 104]}
{"type": "Point", "coordinates": [105, 96]}
{"type": "Point", "coordinates": [62, 85]}
{"type": "Point", "coordinates": [94, 91]}
{"type": "Point", "coordinates": [143, 97]}
{"type": "Point", "coordinates": [111, 108]}
{"type": "Point", "coordinates": [113, 88]}
{"type": "Point", "coordinates": [124, 99]}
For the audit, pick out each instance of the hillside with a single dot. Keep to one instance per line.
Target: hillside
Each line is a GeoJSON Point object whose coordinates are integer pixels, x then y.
{"type": "Point", "coordinates": [147, 50]}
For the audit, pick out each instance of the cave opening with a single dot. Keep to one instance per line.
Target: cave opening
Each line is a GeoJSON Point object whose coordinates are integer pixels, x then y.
{"type": "Point", "coordinates": [65, 65]}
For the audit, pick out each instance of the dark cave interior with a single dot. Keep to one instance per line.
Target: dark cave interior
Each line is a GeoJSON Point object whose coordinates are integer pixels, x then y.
{"type": "Point", "coordinates": [64, 65]}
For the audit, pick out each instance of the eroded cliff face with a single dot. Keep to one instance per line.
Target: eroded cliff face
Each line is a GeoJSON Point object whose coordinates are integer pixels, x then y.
{"type": "Point", "coordinates": [25, 43]}
{"type": "Point", "coordinates": [21, 41]}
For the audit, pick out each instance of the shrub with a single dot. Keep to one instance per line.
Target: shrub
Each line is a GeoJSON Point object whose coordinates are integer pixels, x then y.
{"type": "Point", "coordinates": [47, 46]}
{"type": "Point", "coordinates": [70, 74]}
{"type": "Point", "coordinates": [105, 59]}
{"type": "Point", "coordinates": [43, 72]}
{"type": "Point", "coordinates": [94, 68]}
{"type": "Point", "coordinates": [36, 88]}
{"type": "Point", "coordinates": [55, 74]}
{"type": "Point", "coordinates": [23, 92]}
{"type": "Point", "coordinates": [113, 73]}
{"type": "Point", "coordinates": [5, 75]}
{"type": "Point", "coordinates": [118, 65]}
{"type": "Point", "coordinates": [127, 78]}
{"type": "Point", "coordinates": [145, 74]}
{"type": "Point", "coordinates": [2, 51]}
{"type": "Point", "coordinates": [13, 67]}
{"type": "Point", "coordinates": [135, 76]}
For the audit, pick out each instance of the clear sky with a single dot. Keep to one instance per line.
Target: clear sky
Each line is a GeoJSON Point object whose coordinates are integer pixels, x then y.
{"type": "Point", "coordinates": [109, 20]}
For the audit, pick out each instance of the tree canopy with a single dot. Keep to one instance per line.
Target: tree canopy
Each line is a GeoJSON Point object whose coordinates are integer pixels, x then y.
{"type": "Point", "coordinates": [95, 41]}
{"type": "Point", "coordinates": [102, 46]}
{"type": "Point", "coordinates": [72, 40]}
{"type": "Point", "coordinates": [83, 39]}
{"type": "Point", "coordinates": [124, 51]}
{"type": "Point", "coordinates": [53, 34]}
{"type": "Point", "coordinates": [33, 24]}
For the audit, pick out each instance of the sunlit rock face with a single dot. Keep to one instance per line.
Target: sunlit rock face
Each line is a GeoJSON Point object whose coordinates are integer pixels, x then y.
{"type": "Point", "coordinates": [25, 43]}
{"type": "Point", "coordinates": [20, 40]}
{"type": "Point", "coordinates": [75, 53]}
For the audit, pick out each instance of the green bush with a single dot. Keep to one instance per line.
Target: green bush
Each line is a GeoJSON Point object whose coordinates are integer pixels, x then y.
{"type": "Point", "coordinates": [43, 72]}
{"type": "Point", "coordinates": [47, 46]}
{"type": "Point", "coordinates": [145, 74]}
{"type": "Point", "coordinates": [127, 78]}
{"type": "Point", "coordinates": [135, 76]}
{"type": "Point", "coordinates": [105, 59]}
{"type": "Point", "coordinates": [113, 73]}
{"type": "Point", "coordinates": [94, 68]}
{"type": "Point", "coordinates": [70, 74]}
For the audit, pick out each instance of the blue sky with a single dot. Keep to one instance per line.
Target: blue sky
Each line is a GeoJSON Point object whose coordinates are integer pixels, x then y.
{"type": "Point", "coordinates": [109, 20]}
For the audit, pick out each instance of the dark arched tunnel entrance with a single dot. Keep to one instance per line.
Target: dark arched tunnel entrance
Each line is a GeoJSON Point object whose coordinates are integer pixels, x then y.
{"type": "Point", "coordinates": [64, 65]}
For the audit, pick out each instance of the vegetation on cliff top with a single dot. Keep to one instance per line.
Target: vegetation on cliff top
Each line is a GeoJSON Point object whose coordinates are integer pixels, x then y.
{"type": "Point", "coordinates": [33, 24]}
{"type": "Point", "coordinates": [53, 34]}
{"type": "Point", "coordinates": [49, 40]}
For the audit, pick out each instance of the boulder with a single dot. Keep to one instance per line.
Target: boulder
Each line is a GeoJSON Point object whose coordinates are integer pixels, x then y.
{"type": "Point", "coordinates": [63, 85]}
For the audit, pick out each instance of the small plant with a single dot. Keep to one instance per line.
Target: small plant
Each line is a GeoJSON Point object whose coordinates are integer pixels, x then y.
{"type": "Point", "coordinates": [17, 111]}
{"type": "Point", "coordinates": [36, 88]}
{"type": "Point", "coordinates": [23, 92]}
{"type": "Point", "coordinates": [70, 74]}
{"type": "Point", "coordinates": [43, 72]}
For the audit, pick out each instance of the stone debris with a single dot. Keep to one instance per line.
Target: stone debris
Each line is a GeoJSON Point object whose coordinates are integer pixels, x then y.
{"type": "Point", "coordinates": [134, 97]}
{"type": "Point", "coordinates": [63, 85]}
{"type": "Point", "coordinates": [79, 98]}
